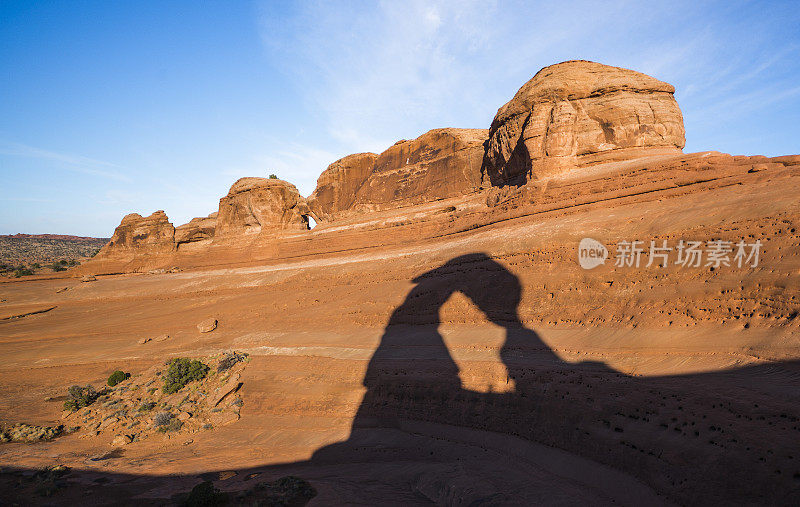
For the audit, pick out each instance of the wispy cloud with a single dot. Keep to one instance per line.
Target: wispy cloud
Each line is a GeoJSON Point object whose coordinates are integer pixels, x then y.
{"type": "Point", "coordinates": [388, 70]}
{"type": "Point", "coordinates": [65, 161]}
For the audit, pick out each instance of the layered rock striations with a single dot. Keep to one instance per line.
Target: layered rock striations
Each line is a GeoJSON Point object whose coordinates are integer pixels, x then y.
{"type": "Point", "coordinates": [579, 112]}
{"type": "Point", "coordinates": [254, 205]}
{"type": "Point", "coordinates": [439, 164]}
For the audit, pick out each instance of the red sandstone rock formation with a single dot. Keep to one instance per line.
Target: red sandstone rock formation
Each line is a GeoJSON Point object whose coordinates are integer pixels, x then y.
{"type": "Point", "coordinates": [571, 112]}
{"type": "Point", "coordinates": [439, 164]}
{"type": "Point", "coordinates": [338, 184]}
{"type": "Point", "coordinates": [254, 205]}
{"type": "Point", "coordinates": [143, 236]}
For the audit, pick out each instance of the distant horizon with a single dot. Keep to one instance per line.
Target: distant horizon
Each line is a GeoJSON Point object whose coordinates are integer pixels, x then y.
{"type": "Point", "coordinates": [110, 109]}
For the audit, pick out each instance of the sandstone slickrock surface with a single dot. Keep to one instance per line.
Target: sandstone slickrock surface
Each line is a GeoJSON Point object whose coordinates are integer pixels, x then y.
{"type": "Point", "coordinates": [254, 205]}
{"type": "Point", "coordinates": [146, 235]}
{"type": "Point", "coordinates": [439, 164]}
{"type": "Point", "coordinates": [569, 112]}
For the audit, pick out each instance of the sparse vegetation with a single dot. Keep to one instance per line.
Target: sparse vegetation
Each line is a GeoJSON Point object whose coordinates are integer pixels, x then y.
{"type": "Point", "coordinates": [29, 433]}
{"type": "Point", "coordinates": [205, 495]}
{"type": "Point", "coordinates": [273, 177]}
{"type": "Point", "coordinates": [181, 371]}
{"type": "Point", "coordinates": [80, 397]}
{"type": "Point", "coordinates": [44, 251]}
{"type": "Point", "coordinates": [166, 422]}
{"type": "Point", "coordinates": [117, 377]}
{"type": "Point", "coordinates": [147, 406]}
{"type": "Point", "coordinates": [230, 359]}
{"type": "Point", "coordinates": [20, 272]}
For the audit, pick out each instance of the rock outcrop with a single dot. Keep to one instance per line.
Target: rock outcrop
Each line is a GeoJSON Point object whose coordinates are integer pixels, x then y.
{"type": "Point", "coordinates": [254, 205]}
{"type": "Point", "coordinates": [579, 112]}
{"type": "Point", "coordinates": [198, 229]}
{"type": "Point", "coordinates": [338, 184]}
{"type": "Point", "coordinates": [141, 235]}
{"type": "Point", "coordinates": [439, 164]}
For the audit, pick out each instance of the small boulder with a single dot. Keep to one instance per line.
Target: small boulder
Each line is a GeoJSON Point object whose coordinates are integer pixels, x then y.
{"type": "Point", "coordinates": [162, 338]}
{"type": "Point", "coordinates": [232, 385]}
{"type": "Point", "coordinates": [121, 440]}
{"type": "Point", "coordinates": [88, 278]}
{"type": "Point", "coordinates": [183, 416]}
{"type": "Point", "coordinates": [144, 340]}
{"type": "Point", "coordinates": [207, 325]}
{"type": "Point", "coordinates": [108, 423]}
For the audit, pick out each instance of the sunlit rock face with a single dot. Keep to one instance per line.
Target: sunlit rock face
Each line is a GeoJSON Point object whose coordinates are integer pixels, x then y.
{"type": "Point", "coordinates": [576, 113]}
{"type": "Point", "coordinates": [338, 184]}
{"type": "Point", "coordinates": [151, 235]}
{"type": "Point", "coordinates": [439, 164]}
{"type": "Point", "coordinates": [254, 205]}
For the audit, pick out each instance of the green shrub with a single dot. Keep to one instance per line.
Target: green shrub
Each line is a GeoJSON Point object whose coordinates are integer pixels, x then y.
{"type": "Point", "coordinates": [20, 272]}
{"type": "Point", "coordinates": [205, 495]}
{"type": "Point", "coordinates": [273, 177]}
{"type": "Point", "coordinates": [181, 371]}
{"type": "Point", "coordinates": [147, 406]}
{"type": "Point", "coordinates": [57, 267]}
{"type": "Point", "coordinates": [80, 397]}
{"type": "Point", "coordinates": [117, 377]}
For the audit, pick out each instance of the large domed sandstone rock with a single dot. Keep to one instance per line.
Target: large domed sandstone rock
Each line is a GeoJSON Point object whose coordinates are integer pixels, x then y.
{"type": "Point", "coordinates": [198, 229]}
{"type": "Point", "coordinates": [147, 235]}
{"type": "Point", "coordinates": [580, 112]}
{"type": "Point", "coordinates": [439, 164]}
{"type": "Point", "coordinates": [338, 184]}
{"type": "Point", "coordinates": [260, 204]}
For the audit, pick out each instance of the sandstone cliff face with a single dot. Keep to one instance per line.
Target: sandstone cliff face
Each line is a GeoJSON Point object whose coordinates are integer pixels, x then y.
{"type": "Point", "coordinates": [439, 164]}
{"type": "Point", "coordinates": [579, 112]}
{"type": "Point", "coordinates": [338, 184]}
{"type": "Point", "coordinates": [254, 205]}
{"type": "Point", "coordinates": [198, 229]}
{"type": "Point", "coordinates": [150, 235]}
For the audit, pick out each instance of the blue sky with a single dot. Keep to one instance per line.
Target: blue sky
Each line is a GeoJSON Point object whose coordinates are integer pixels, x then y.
{"type": "Point", "coordinates": [108, 108]}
